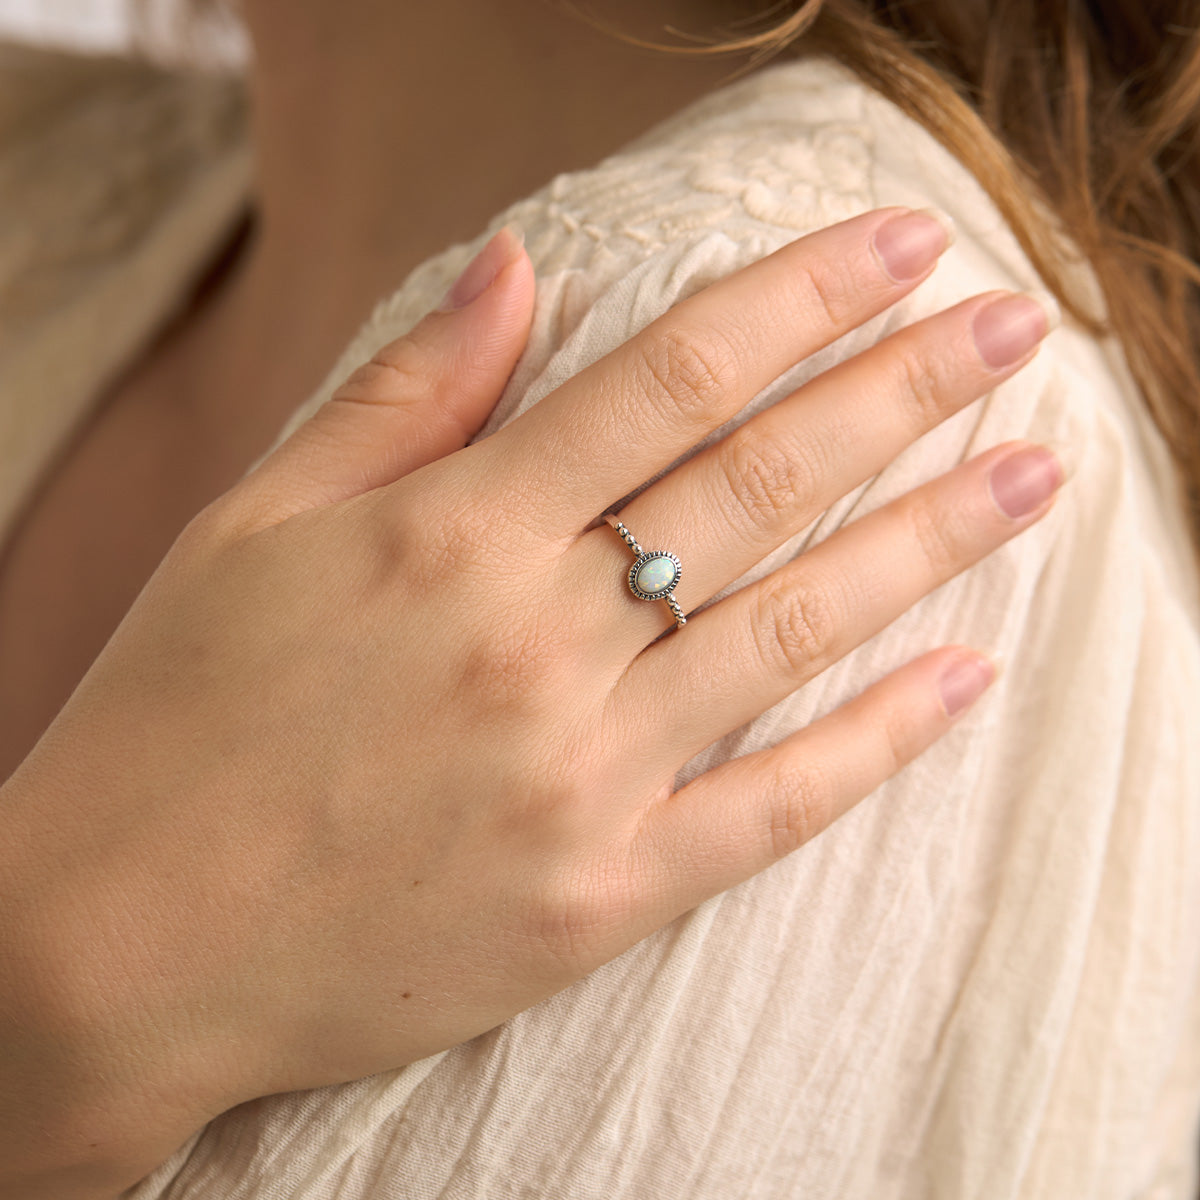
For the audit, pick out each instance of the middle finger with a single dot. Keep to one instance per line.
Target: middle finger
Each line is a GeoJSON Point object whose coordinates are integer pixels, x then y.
{"type": "Point", "coordinates": [623, 419]}
{"type": "Point", "coordinates": [767, 480]}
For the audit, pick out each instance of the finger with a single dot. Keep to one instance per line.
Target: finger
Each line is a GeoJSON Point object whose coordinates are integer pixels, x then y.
{"type": "Point", "coordinates": [737, 658]}
{"type": "Point", "coordinates": [632, 413]}
{"type": "Point", "coordinates": [767, 480]}
{"type": "Point", "coordinates": [742, 816]}
{"type": "Point", "coordinates": [419, 398]}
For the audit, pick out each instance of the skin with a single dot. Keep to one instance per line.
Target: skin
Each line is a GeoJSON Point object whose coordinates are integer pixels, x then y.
{"type": "Point", "coordinates": [316, 902]}
{"type": "Point", "coordinates": [352, 195]}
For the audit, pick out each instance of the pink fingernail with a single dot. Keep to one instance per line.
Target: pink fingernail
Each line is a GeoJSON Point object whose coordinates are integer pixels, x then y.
{"type": "Point", "coordinates": [1022, 481]}
{"type": "Point", "coordinates": [909, 244]}
{"type": "Point", "coordinates": [482, 270]}
{"type": "Point", "coordinates": [963, 682]}
{"type": "Point", "coordinates": [1008, 328]}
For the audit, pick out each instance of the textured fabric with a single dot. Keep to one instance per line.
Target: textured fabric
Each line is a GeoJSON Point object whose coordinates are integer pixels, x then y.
{"type": "Point", "coordinates": [982, 982]}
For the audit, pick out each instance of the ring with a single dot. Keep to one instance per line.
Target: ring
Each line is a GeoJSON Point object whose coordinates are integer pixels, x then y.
{"type": "Point", "coordinates": [654, 574]}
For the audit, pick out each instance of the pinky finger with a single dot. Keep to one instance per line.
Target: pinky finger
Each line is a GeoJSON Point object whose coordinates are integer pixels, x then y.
{"type": "Point", "coordinates": [742, 816]}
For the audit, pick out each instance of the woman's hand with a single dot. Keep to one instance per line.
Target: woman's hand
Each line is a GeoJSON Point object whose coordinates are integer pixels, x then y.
{"type": "Point", "coordinates": [377, 760]}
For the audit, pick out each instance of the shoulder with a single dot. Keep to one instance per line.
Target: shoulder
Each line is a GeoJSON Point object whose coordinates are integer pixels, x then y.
{"type": "Point", "coordinates": [787, 150]}
{"type": "Point", "coordinates": [790, 149]}
{"type": "Point", "coordinates": [778, 154]}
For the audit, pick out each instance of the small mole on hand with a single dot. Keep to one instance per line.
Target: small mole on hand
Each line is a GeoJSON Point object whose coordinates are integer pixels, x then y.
{"type": "Point", "coordinates": [406, 995]}
{"type": "Point", "coordinates": [416, 883]}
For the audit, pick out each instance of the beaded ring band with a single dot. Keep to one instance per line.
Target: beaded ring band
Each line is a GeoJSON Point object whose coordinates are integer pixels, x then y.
{"type": "Point", "coordinates": [654, 574]}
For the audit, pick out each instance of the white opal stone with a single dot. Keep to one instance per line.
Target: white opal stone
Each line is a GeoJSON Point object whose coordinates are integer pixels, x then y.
{"type": "Point", "coordinates": [655, 574]}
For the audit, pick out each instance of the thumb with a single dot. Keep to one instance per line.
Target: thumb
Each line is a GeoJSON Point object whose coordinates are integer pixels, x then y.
{"type": "Point", "coordinates": [419, 398]}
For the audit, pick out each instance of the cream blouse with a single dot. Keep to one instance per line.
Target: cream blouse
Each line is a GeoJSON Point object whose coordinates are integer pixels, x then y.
{"type": "Point", "coordinates": [982, 982]}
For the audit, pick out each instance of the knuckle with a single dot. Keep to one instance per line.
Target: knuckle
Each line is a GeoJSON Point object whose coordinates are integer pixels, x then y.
{"type": "Point", "coordinates": [793, 628]}
{"type": "Point", "coordinates": [832, 293]}
{"type": "Point", "coordinates": [406, 356]}
{"type": "Point", "coordinates": [409, 552]}
{"type": "Point", "coordinates": [432, 524]}
{"type": "Point", "coordinates": [221, 521]}
{"type": "Point", "coordinates": [901, 741]}
{"type": "Point", "coordinates": [768, 480]}
{"type": "Point", "coordinates": [519, 670]}
{"type": "Point", "coordinates": [689, 372]}
{"type": "Point", "coordinates": [213, 524]}
{"type": "Point", "coordinates": [579, 911]}
{"type": "Point", "coordinates": [935, 531]}
{"type": "Point", "coordinates": [403, 532]}
{"type": "Point", "coordinates": [801, 808]}
{"type": "Point", "coordinates": [923, 384]}
{"type": "Point", "coordinates": [391, 377]}
{"type": "Point", "coordinates": [434, 537]}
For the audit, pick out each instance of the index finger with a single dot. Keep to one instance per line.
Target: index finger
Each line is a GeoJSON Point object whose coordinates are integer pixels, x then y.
{"type": "Point", "coordinates": [634, 411]}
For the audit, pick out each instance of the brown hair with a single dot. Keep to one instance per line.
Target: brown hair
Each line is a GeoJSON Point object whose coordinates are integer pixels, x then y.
{"type": "Point", "coordinates": [1092, 109]}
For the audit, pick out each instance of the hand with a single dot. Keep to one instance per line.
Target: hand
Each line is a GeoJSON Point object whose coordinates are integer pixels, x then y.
{"type": "Point", "coordinates": [375, 762]}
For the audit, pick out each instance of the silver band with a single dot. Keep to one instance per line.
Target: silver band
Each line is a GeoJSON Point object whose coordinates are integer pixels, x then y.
{"type": "Point", "coordinates": [654, 574]}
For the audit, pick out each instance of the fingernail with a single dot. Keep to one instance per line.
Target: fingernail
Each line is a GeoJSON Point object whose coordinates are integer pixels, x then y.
{"type": "Point", "coordinates": [1067, 454]}
{"type": "Point", "coordinates": [910, 243]}
{"type": "Point", "coordinates": [482, 270]}
{"type": "Point", "coordinates": [1024, 480]}
{"type": "Point", "coordinates": [964, 681]}
{"type": "Point", "coordinates": [1008, 328]}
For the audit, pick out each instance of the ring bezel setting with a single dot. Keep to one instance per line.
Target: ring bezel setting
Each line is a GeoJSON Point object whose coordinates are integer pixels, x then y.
{"type": "Point", "coordinates": [654, 575]}
{"type": "Point", "coordinates": [658, 559]}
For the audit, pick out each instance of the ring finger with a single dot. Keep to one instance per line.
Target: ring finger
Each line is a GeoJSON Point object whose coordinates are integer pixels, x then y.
{"type": "Point", "coordinates": [748, 652]}
{"type": "Point", "coordinates": [764, 482]}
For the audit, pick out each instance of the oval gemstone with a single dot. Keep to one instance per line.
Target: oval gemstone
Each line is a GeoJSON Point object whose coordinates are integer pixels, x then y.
{"type": "Point", "coordinates": [656, 574]}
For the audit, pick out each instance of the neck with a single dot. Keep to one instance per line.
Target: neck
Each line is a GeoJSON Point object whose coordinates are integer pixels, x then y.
{"type": "Point", "coordinates": [384, 132]}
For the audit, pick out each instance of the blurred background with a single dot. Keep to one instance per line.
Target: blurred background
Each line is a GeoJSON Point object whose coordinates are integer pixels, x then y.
{"type": "Point", "coordinates": [88, 24]}
{"type": "Point", "coordinates": [103, 26]}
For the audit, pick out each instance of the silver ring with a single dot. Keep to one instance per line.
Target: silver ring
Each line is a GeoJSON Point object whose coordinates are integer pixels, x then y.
{"type": "Point", "coordinates": [654, 574]}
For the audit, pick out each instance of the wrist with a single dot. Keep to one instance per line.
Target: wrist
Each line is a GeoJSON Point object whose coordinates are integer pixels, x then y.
{"type": "Point", "coordinates": [98, 1087]}
{"type": "Point", "coordinates": [74, 1118]}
